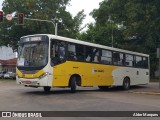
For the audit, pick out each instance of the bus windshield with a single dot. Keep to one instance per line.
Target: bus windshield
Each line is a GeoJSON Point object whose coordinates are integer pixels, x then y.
{"type": "Point", "coordinates": [33, 54]}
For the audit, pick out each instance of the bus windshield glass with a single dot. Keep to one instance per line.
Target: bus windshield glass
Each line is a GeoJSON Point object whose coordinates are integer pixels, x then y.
{"type": "Point", "coordinates": [33, 54]}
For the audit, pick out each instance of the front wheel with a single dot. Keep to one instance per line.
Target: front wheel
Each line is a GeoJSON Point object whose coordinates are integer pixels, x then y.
{"type": "Point", "coordinates": [47, 89]}
{"type": "Point", "coordinates": [73, 84]}
{"type": "Point", "coordinates": [126, 84]}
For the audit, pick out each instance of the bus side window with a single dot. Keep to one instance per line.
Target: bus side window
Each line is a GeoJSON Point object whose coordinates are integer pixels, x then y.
{"type": "Point", "coordinates": [54, 53]}
{"type": "Point", "coordinates": [88, 54]}
{"type": "Point", "coordinates": [80, 52]}
{"type": "Point", "coordinates": [129, 60]}
{"type": "Point", "coordinates": [106, 57]}
{"type": "Point", "coordinates": [145, 62]}
{"type": "Point", "coordinates": [72, 52]}
{"type": "Point", "coordinates": [138, 62]}
{"type": "Point", "coordinates": [95, 55]}
{"type": "Point", "coordinates": [57, 52]}
{"type": "Point", "coordinates": [61, 53]}
{"type": "Point", "coordinates": [118, 58]}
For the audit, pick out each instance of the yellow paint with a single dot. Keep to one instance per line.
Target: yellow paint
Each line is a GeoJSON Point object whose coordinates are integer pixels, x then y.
{"type": "Point", "coordinates": [91, 74]}
{"type": "Point", "coordinates": [29, 76]}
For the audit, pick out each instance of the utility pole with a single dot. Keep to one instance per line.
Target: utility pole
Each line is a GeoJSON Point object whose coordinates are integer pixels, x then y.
{"type": "Point", "coordinates": [112, 34]}
{"type": "Point", "coordinates": [111, 22]}
{"type": "Point", "coordinates": [50, 21]}
{"type": "Point", "coordinates": [159, 67]}
{"type": "Point", "coordinates": [158, 56]}
{"type": "Point", "coordinates": [9, 18]}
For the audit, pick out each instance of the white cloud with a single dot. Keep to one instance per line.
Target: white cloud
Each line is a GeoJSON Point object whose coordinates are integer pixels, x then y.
{"type": "Point", "coordinates": [87, 5]}
{"type": "Point", "coordinates": [1, 1]}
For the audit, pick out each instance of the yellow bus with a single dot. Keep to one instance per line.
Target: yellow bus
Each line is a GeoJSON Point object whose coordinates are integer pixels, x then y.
{"type": "Point", "coordinates": [48, 61]}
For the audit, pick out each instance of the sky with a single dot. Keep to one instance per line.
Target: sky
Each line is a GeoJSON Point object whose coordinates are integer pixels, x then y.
{"type": "Point", "coordinates": [78, 5]}
{"type": "Point", "coordinates": [87, 5]}
{"type": "Point", "coordinates": [1, 4]}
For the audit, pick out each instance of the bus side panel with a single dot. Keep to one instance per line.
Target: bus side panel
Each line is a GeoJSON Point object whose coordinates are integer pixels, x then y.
{"type": "Point", "coordinates": [137, 76]}
{"type": "Point", "coordinates": [91, 74]}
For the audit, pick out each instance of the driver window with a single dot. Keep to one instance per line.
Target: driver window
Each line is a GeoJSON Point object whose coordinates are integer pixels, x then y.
{"type": "Point", "coordinates": [53, 50]}
{"type": "Point", "coordinates": [57, 52]}
{"type": "Point", "coordinates": [61, 50]}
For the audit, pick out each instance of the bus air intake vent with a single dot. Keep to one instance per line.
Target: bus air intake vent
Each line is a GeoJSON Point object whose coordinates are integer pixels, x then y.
{"type": "Point", "coordinates": [29, 72]}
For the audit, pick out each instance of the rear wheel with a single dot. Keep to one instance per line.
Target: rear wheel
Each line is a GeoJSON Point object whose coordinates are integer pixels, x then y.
{"type": "Point", "coordinates": [73, 84]}
{"type": "Point", "coordinates": [126, 84]}
{"type": "Point", "coordinates": [47, 89]}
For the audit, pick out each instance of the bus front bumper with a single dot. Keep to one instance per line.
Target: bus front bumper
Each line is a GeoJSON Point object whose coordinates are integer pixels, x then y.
{"type": "Point", "coordinates": [32, 82]}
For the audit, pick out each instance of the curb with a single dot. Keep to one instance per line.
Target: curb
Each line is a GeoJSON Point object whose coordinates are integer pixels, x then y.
{"type": "Point", "coordinates": [147, 93]}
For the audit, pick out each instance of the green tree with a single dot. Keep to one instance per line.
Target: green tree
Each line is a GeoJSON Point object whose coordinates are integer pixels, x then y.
{"type": "Point", "coordinates": [10, 32]}
{"type": "Point", "coordinates": [139, 23]}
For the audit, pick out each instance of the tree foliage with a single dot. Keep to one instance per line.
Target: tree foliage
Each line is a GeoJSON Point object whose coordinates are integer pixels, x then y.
{"type": "Point", "coordinates": [10, 31]}
{"type": "Point", "coordinates": [135, 25]}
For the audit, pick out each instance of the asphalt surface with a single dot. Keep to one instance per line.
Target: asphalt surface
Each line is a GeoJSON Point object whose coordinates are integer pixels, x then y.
{"type": "Point", "coordinates": [150, 89]}
{"type": "Point", "coordinates": [14, 97]}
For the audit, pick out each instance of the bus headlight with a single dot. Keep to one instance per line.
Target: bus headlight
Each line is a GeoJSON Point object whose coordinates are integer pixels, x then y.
{"type": "Point", "coordinates": [43, 75]}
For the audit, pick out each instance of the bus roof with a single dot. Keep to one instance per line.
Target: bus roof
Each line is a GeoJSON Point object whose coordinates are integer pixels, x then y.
{"type": "Point", "coordinates": [88, 44]}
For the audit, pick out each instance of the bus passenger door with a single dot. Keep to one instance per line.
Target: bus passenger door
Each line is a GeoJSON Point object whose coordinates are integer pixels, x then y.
{"type": "Point", "coordinates": [58, 57]}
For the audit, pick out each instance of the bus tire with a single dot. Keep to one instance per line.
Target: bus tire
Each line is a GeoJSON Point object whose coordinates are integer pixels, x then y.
{"type": "Point", "coordinates": [103, 87]}
{"type": "Point", "coordinates": [126, 84]}
{"type": "Point", "coordinates": [47, 89]}
{"type": "Point", "coordinates": [73, 84]}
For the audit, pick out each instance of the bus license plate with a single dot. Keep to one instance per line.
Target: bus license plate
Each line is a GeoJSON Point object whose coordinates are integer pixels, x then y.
{"type": "Point", "coordinates": [27, 82]}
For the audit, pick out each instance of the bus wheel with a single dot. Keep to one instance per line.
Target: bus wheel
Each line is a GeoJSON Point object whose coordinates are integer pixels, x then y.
{"type": "Point", "coordinates": [47, 89]}
{"type": "Point", "coordinates": [103, 87]}
{"type": "Point", "coordinates": [73, 84]}
{"type": "Point", "coordinates": [126, 84]}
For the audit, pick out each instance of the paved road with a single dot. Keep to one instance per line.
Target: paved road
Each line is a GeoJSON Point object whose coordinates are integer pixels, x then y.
{"type": "Point", "coordinates": [18, 98]}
